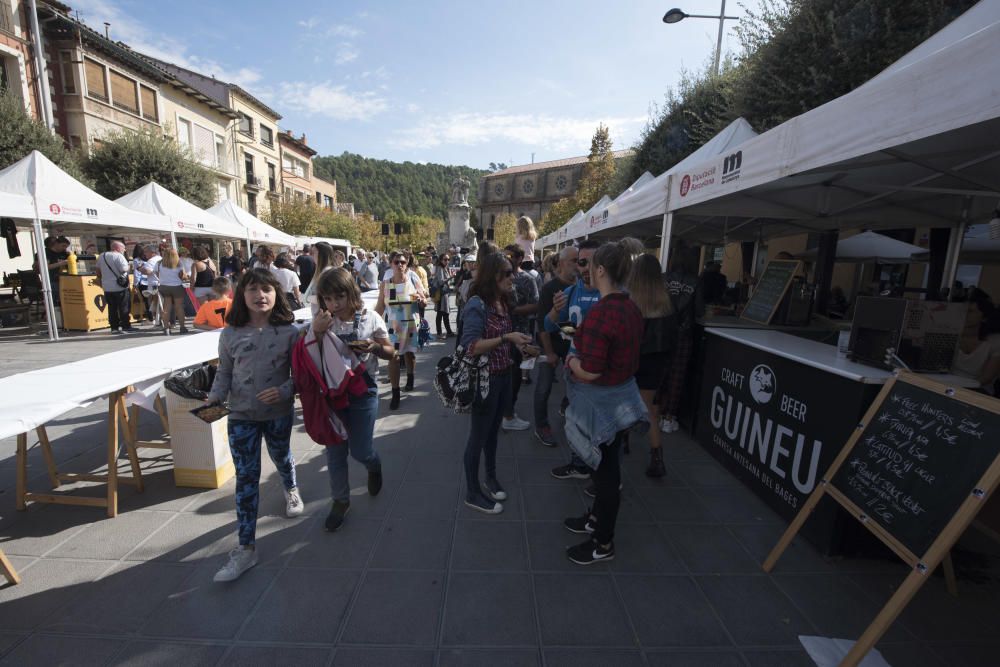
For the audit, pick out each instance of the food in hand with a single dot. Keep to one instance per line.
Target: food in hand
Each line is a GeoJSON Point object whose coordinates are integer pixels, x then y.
{"type": "Point", "coordinates": [211, 412]}
{"type": "Point", "coordinates": [359, 345]}
{"type": "Point", "coordinates": [568, 329]}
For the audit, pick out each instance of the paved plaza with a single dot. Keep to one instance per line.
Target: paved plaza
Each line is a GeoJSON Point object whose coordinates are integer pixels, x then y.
{"type": "Point", "coordinates": [416, 578]}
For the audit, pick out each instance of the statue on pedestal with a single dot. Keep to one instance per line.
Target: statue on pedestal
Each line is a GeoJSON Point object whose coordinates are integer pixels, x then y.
{"type": "Point", "coordinates": [470, 241]}
{"type": "Point", "coordinates": [458, 211]}
{"type": "Point", "coordinates": [460, 191]}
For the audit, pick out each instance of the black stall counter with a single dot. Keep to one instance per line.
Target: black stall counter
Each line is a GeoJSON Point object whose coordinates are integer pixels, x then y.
{"type": "Point", "coordinates": [775, 409]}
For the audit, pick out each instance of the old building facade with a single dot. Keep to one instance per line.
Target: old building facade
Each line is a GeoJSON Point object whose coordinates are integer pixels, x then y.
{"type": "Point", "coordinates": [17, 66]}
{"type": "Point", "coordinates": [296, 167]}
{"type": "Point", "coordinates": [529, 189]}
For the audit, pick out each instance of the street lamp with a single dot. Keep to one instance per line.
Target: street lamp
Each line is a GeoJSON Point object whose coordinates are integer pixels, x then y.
{"type": "Point", "coordinates": [676, 15]}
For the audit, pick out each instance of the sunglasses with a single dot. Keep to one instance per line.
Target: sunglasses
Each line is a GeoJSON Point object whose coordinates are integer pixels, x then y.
{"type": "Point", "coordinates": [400, 262]}
{"type": "Point", "coordinates": [582, 262]}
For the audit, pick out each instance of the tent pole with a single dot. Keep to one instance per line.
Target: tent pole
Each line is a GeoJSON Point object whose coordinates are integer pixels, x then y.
{"type": "Point", "coordinates": [43, 272]}
{"type": "Point", "coordinates": [667, 229]}
{"type": "Point", "coordinates": [955, 249]}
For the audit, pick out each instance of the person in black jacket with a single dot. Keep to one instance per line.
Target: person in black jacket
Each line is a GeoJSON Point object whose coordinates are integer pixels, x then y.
{"type": "Point", "coordinates": [687, 299]}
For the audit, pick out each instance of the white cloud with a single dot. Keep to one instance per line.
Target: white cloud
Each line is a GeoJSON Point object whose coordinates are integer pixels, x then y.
{"type": "Point", "coordinates": [344, 30]}
{"type": "Point", "coordinates": [346, 53]}
{"type": "Point", "coordinates": [310, 22]}
{"type": "Point", "coordinates": [332, 101]}
{"type": "Point", "coordinates": [412, 108]}
{"type": "Point", "coordinates": [153, 43]}
{"type": "Point", "coordinates": [554, 133]}
{"type": "Point", "coordinates": [380, 73]}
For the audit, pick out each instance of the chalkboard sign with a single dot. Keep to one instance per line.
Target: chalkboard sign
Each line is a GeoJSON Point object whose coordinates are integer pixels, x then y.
{"type": "Point", "coordinates": [770, 290]}
{"type": "Point", "coordinates": [918, 459]}
{"type": "Point", "coordinates": [915, 472]}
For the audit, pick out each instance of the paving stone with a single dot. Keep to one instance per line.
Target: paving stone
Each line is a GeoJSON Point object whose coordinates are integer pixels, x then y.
{"type": "Point", "coordinates": [738, 504]}
{"type": "Point", "coordinates": [485, 545]}
{"type": "Point", "coordinates": [491, 609]}
{"type": "Point", "coordinates": [794, 657]}
{"type": "Point", "coordinates": [190, 538]}
{"type": "Point", "coordinates": [552, 503]}
{"type": "Point", "coordinates": [61, 650]}
{"type": "Point", "coordinates": [800, 556]}
{"type": "Point", "coordinates": [382, 657]}
{"type": "Point", "coordinates": [705, 473]}
{"type": "Point", "coordinates": [121, 609]}
{"type": "Point", "coordinates": [202, 609]}
{"type": "Point", "coordinates": [694, 659]}
{"type": "Point", "coordinates": [592, 658]}
{"type": "Point", "coordinates": [276, 656]}
{"type": "Point", "coordinates": [675, 505]}
{"type": "Point", "coordinates": [537, 470]}
{"type": "Point", "coordinates": [754, 610]}
{"type": "Point", "coordinates": [111, 539]}
{"type": "Point", "coordinates": [710, 550]}
{"type": "Point", "coordinates": [643, 548]}
{"type": "Point", "coordinates": [303, 606]}
{"type": "Point", "coordinates": [670, 611]}
{"type": "Point", "coordinates": [425, 501]}
{"type": "Point", "coordinates": [566, 605]}
{"type": "Point", "coordinates": [835, 605]}
{"type": "Point", "coordinates": [399, 608]}
{"type": "Point", "coordinates": [494, 657]}
{"type": "Point", "coordinates": [547, 543]}
{"type": "Point", "coordinates": [150, 654]}
{"type": "Point", "coordinates": [348, 548]}
{"type": "Point", "coordinates": [430, 468]}
{"type": "Point", "coordinates": [512, 508]}
{"type": "Point", "coordinates": [7, 640]}
{"type": "Point", "coordinates": [45, 587]}
{"type": "Point", "coordinates": [40, 529]}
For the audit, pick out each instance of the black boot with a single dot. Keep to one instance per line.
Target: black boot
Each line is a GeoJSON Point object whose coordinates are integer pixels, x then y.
{"type": "Point", "coordinates": [409, 382]}
{"type": "Point", "coordinates": [656, 468]}
{"type": "Point", "coordinates": [394, 403]}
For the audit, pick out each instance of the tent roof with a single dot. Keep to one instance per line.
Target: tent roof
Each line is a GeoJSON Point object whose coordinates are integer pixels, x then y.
{"type": "Point", "coordinates": [911, 147]}
{"type": "Point", "coordinates": [185, 217]}
{"type": "Point", "coordinates": [259, 231]}
{"type": "Point", "coordinates": [61, 198]}
{"type": "Point", "coordinates": [871, 247]}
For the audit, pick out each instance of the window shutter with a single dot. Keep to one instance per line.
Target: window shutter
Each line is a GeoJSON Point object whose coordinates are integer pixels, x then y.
{"type": "Point", "coordinates": [96, 85]}
{"type": "Point", "coordinates": [149, 111]}
{"type": "Point", "coordinates": [123, 93]}
{"type": "Point", "coordinates": [204, 144]}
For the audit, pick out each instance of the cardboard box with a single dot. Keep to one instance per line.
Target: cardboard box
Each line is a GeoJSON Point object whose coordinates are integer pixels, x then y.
{"type": "Point", "coordinates": [201, 451]}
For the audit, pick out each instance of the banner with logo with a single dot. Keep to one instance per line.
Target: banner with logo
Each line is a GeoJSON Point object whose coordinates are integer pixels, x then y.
{"type": "Point", "coordinates": [777, 424]}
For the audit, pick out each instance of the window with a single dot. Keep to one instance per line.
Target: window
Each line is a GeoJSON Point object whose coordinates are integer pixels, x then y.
{"type": "Point", "coordinates": [148, 97]}
{"type": "Point", "coordinates": [272, 178]}
{"type": "Point", "coordinates": [184, 132]}
{"type": "Point", "coordinates": [252, 204]}
{"type": "Point", "coordinates": [97, 86]}
{"type": "Point", "coordinates": [296, 167]}
{"type": "Point", "coordinates": [245, 124]}
{"type": "Point", "coordinates": [123, 92]}
{"type": "Point", "coordinates": [204, 145]}
{"type": "Point", "coordinates": [319, 198]}
{"type": "Point", "coordinates": [4, 81]}
{"type": "Point", "coordinates": [248, 166]}
{"type": "Point", "coordinates": [222, 190]}
{"type": "Point", "coordinates": [266, 135]}
{"type": "Point", "coordinates": [6, 17]}
{"type": "Point", "coordinates": [68, 73]}
{"type": "Point", "coordinates": [299, 197]}
{"type": "Point", "coordinates": [220, 153]}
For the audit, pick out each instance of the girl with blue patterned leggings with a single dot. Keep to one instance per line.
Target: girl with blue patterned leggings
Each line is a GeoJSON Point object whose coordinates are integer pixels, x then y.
{"type": "Point", "coordinates": [255, 354]}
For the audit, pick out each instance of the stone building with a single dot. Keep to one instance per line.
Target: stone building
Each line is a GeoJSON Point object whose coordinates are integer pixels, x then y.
{"type": "Point", "coordinates": [296, 167]}
{"type": "Point", "coordinates": [529, 189]}
{"type": "Point", "coordinates": [17, 63]}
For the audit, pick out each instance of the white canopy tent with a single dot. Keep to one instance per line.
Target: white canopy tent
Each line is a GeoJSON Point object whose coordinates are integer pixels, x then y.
{"type": "Point", "coordinates": [918, 145]}
{"type": "Point", "coordinates": [342, 244]}
{"type": "Point", "coordinates": [872, 247]}
{"type": "Point", "coordinates": [257, 231]}
{"type": "Point", "coordinates": [57, 197]}
{"type": "Point", "coordinates": [185, 218]}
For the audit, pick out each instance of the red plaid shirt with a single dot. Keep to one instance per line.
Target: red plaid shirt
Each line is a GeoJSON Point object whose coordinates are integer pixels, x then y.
{"type": "Point", "coordinates": [607, 341]}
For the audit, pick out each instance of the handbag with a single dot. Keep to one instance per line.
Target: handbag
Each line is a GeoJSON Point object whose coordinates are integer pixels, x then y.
{"type": "Point", "coordinates": [120, 278]}
{"type": "Point", "coordinates": [462, 382]}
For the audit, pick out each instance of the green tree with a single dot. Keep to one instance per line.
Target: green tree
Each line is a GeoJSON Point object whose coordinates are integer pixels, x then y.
{"type": "Point", "coordinates": [22, 134]}
{"type": "Point", "coordinates": [126, 160]}
{"type": "Point", "coordinates": [504, 229]}
{"type": "Point", "coordinates": [295, 216]}
{"type": "Point", "coordinates": [597, 180]}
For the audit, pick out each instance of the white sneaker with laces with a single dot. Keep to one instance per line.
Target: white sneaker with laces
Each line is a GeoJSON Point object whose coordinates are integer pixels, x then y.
{"type": "Point", "coordinates": [515, 423]}
{"type": "Point", "coordinates": [664, 424]}
{"type": "Point", "coordinates": [293, 503]}
{"type": "Point", "coordinates": [240, 560]}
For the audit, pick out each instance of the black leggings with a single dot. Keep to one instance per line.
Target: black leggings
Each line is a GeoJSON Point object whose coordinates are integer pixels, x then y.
{"type": "Point", "coordinates": [607, 496]}
{"type": "Point", "coordinates": [442, 316]}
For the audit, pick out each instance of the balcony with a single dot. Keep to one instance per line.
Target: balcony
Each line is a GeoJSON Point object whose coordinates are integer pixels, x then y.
{"type": "Point", "coordinates": [253, 183]}
{"type": "Point", "coordinates": [6, 17]}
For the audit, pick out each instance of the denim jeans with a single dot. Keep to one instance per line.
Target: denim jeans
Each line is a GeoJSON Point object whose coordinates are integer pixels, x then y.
{"type": "Point", "coordinates": [244, 444]}
{"type": "Point", "coordinates": [483, 430]}
{"type": "Point", "coordinates": [543, 388]}
{"type": "Point", "coordinates": [359, 418]}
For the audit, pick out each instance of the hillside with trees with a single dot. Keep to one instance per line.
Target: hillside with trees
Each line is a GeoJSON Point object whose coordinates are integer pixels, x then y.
{"type": "Point", "coordinates": [395, 189]}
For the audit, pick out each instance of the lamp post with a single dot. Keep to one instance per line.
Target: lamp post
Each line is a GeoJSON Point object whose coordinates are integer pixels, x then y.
{"type": "Point", "coordinates": [677, 15]}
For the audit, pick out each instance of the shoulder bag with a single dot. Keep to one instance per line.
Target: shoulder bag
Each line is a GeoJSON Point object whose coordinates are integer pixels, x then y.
{"type": "Point", "coordinates": [121, 279]}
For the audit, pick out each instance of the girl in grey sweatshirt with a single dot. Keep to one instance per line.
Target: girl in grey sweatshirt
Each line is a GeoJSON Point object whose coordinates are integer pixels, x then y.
{"type": "Point", "coordinates": [255, 355]}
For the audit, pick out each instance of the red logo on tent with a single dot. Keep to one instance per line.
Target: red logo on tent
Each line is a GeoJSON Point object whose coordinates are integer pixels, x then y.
{"type": "Point", "coordinates": [685, 184]}
{"type": "Point", "coordinates": [180, 224]}
{"type": "Point", "coordinates": [54, 209]}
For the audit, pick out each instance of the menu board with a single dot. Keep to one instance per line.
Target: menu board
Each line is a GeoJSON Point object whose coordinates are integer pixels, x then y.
{"type": "Point", "coordinates": [919, 458]}
{"type": "Point", "coordinates": [770, 290]}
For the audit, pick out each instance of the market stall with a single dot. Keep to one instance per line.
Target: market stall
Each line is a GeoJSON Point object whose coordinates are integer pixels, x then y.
{"type": "Point", "coordinates": [257, 231]}
{"type": "Point", "coordinates": [186, 219]}
{"type": "Point", "coordinates": [68, 206]}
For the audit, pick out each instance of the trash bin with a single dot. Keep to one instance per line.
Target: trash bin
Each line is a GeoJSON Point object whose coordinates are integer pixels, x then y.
{"type": "Point", "coordinates": [201, 451]}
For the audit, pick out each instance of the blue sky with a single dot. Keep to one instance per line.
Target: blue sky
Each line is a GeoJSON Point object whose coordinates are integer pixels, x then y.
{"type": "Point", "coordinates": [433, 80]}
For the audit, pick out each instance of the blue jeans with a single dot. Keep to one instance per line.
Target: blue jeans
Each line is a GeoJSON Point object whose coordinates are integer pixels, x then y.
{"type": "Point", "coordinates": [543, 388]}
{"type": "Point", "coordinates": [244, 444]}
{"type": "Point", "coordinates": [359, 418]}
{"type": "Point", "coordinates": [483, 430]}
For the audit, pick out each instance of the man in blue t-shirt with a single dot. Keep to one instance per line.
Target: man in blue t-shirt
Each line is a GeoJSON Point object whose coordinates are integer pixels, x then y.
{"type": "Point", "coordinates": [572, 305]}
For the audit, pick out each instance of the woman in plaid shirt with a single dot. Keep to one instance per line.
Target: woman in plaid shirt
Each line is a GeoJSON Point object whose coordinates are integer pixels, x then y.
{"type": "Point", "coordinates": [607, 403]}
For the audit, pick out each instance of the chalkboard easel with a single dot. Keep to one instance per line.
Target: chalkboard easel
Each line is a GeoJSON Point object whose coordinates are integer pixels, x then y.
{"type": "Point", "coordinates": [915, 473]}
{"type": "Point", "coordinates": [770, 290]}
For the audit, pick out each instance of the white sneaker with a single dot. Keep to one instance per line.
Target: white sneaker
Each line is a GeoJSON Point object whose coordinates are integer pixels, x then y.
{"type": "Point", "coordinates": [674, 426]}
{"type": "Point", "coordinates": [515, 423]}
{"type": "Point", "coordinates": [664, 424]}
{"type": "Point", "coordinates": [293, 503]}
{"type": "Point", "coordinates": [240, 560]}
